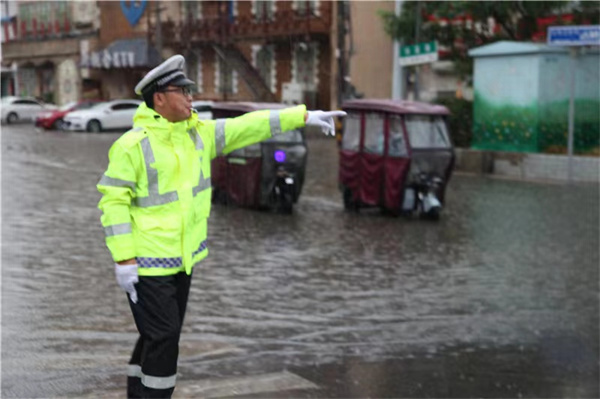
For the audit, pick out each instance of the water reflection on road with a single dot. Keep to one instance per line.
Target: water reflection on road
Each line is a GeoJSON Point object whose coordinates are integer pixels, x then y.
{"type": "Point", "coordinates": [500, 298]}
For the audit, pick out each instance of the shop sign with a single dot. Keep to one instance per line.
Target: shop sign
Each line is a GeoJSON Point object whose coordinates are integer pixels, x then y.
{"type": "Point", "coordinates": [420, 53]}
{"type": "Point", "coordinates": [108, 59]}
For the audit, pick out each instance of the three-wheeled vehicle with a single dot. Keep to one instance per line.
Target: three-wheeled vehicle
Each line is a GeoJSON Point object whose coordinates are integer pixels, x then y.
{"type": "Point", "coordinates": [266, 175]}
{"type": "Point", "coordinates": [396, 155]}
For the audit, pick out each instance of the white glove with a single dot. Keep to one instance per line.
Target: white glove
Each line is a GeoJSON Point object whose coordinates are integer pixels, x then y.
{"type": "Point", "coordinates": [323, 120]}
{"type": "Point", "coordinates": [127, 276]}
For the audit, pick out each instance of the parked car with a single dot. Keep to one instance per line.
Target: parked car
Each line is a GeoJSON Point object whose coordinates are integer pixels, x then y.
{"type": "Point", "coordinates": [19, 109]}
{"type": "Point", "coordinates": [203, 108]}
{"type": "Point", "coordinates": [116, 114]}
{"type": "Point", "coordinates": [54, 119]}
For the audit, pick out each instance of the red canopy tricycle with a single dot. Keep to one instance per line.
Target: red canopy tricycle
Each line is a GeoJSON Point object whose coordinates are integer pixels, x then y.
{"type": "Point", "coordinates": [396, 155]}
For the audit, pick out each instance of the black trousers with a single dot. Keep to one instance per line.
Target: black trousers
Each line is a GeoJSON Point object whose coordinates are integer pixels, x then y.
{"type": "Point", "coordinates": [158, 316]}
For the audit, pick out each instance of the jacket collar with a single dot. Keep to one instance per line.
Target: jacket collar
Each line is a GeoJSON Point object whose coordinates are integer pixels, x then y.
{"type": "Point", "coordinates": [148, 118]}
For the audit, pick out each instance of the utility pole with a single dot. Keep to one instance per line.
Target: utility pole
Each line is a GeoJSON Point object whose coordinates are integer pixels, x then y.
{"type": "Point", "coordinates": [341, 52]}
{"type": "Point", "coordinates": [397, 71]}
{"type": "Point", "coordinates": [158, 10]}
{"type": "Point", "coordinates": [417, 40]}
{"type": "Point", "coordinates": [350, 34]}
{"type": "Point", "coordinates": [574, 51]}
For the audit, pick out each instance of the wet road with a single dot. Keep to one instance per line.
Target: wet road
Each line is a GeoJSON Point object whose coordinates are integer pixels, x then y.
{"type": "Point", "coordinates": [498, 299]}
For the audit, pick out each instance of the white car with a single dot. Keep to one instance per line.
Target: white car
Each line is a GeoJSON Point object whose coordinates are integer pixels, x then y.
{"type": "Point", "coordinates": [203, 108]}
{"type": "Point", "coordinates": [18, 109]}
{"type": "Point", "coordinates": [116, 114]}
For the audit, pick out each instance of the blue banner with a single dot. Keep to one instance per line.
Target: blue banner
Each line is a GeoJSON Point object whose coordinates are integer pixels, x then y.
{"type": "Point", "coordinates": [587, 35]}
{"type": "Point", "coordinates": [133, 10]}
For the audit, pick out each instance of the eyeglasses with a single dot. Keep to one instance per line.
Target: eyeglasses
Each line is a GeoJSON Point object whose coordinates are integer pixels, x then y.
{"type": "Point", "coordinates": [186, 91]}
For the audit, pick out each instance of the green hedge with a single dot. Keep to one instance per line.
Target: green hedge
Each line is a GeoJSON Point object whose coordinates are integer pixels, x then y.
{"type": "Point", "coordinates": [460, 121]}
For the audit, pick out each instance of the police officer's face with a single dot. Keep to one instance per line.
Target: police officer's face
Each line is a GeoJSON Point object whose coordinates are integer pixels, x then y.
{"type": "Point", "coordinates": [174, 103]}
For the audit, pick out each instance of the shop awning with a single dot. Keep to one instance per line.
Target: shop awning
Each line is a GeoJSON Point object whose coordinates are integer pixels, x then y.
{"type": "Point", "coordinates": [123, 53]}
{"type": "Point", "coordinates": [8, 66]}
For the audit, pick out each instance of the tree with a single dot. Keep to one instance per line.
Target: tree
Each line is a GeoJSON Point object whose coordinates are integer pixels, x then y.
{"type": "Point", "coordinates": [461, 25]}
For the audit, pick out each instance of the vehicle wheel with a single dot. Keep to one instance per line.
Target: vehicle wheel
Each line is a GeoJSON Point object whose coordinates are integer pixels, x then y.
{"type": "Point", "coordinates": [419, 210]}
{"type": "Point", "coordinates": [349, 203]}
{"type": "Point", "coordinates": [218, 197]}
{"type": "Point", "coordinates": [434, 214]}
{"type": "Point", "coordinates": [58, 124]}
{"type": "Point", "coordinates": [286, 203]}
{"type": "Point", "coordinates": [12, 118]}
{"type": "Point", "coordinates": [94, 126]}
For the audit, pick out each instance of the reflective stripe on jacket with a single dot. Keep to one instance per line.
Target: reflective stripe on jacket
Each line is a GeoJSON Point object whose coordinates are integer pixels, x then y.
{"type": "Point", "coordinates": [156, 189]}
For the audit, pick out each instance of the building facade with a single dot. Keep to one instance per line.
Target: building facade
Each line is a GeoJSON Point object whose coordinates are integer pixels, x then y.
{"type": "Point", "coordinates": [120, 55]}
{"type": "Point", "coordinates": [235, 50]}
{"type": "Point", "coordinates": [40, 48]}
{"type": "Point", "coordinates": [371, 54]}
{"type": "Point", "coordinates": [252, 50]}
{"type": "Point", "coordinates": [301, 51]}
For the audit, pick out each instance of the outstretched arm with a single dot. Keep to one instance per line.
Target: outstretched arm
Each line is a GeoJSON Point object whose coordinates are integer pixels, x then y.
{"type": "Point", "coordinates": [233, 133]}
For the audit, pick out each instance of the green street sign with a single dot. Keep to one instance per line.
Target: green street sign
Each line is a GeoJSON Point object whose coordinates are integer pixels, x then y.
{"type": "Point", "coordinates": [420, 53]}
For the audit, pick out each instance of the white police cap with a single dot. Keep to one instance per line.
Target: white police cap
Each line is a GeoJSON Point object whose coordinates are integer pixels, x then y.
{"type": "Point", "coordinates": [169, 73]}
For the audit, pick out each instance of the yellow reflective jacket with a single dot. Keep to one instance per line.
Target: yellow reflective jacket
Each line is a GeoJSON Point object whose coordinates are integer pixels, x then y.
{"type": "Point", "coordinates": [156, 189]}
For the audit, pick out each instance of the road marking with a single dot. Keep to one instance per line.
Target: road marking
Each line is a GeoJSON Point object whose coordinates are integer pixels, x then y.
{"type": "Point", "coordinates": [247, 385]}
{"type": "Point", "coordinates": [190, 350]}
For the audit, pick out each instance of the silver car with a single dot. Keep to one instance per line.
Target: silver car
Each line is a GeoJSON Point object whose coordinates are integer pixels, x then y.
{"type": "Point", "coordinates": [19, 109]}
{"type": "Point", "coordinates": [110, 115]}
{"type": "Point", "coordinates": [203, 108]}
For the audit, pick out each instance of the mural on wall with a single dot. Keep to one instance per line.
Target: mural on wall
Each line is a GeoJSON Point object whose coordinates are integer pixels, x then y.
{"type": "Point", "coordinates": [554, 127]}
{"type": "Point", "coordinates": [554, 103]}
{"type": "Point", "coordinates": [505, 104]}
{"type": "Point", "coordinates": [521, 104]}
{"type": "Point", "coordinates": [504, 127]}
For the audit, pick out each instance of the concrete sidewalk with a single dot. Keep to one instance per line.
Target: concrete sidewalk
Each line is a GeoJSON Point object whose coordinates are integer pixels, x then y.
{"type": "Point", "coordinates": [528, 166]}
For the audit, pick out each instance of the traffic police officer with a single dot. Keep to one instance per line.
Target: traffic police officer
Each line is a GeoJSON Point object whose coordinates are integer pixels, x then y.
{"type": "Point", "coordinates": [156, 201]}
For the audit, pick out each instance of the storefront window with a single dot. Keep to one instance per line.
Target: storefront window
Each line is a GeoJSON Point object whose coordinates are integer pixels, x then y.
{"type": "Point", "coordinates": [265, 62]}
{"type": "Point", "coordinates": [305, 65]}
{"type": "Point", "coordinates": [28, 82]}
{"type": "Point", "coordinates": [226, 78]}
{"type": "Point", "coordinates": [194, 68]}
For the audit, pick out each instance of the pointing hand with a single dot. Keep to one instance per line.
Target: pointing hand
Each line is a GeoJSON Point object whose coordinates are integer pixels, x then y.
{"type": "Point", "coordinates": [323, 120]}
